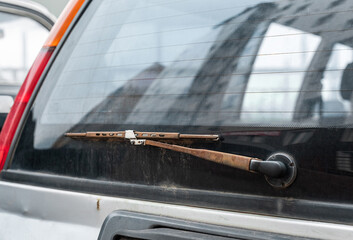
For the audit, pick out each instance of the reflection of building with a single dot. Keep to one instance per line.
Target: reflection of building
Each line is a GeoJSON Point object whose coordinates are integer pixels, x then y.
{"type": "Point", "coordinates": [296, 56]}
{"type": "Point", "coordinates": [202, 101]}
{"type": "Point", "coordinates": [272, 64]}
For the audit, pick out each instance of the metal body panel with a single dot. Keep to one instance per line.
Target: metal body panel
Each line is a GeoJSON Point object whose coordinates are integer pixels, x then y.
{"type": "Point", "coordinates": [69, 215]}
{"type": "Point", "coordinates": [33, 228]}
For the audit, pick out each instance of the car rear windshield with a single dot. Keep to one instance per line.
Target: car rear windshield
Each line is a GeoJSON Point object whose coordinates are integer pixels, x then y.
{"type": "Point", "coordinates": [203, 63]}
{"type": "Point", "coordinates": [194, 66]}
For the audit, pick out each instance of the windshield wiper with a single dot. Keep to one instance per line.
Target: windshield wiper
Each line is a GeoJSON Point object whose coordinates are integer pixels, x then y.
{"type": "Point", "coordinates": [133, 135]}
{"type": "Point", "coordinates": [279, 169]}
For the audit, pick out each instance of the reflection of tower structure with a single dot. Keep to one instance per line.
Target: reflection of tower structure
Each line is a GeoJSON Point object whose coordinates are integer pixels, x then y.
{"type": "Point", "coordinates": [196, 87]}
{"type": "Point", "coordinates": [209, 83]}
{"type": "Point", "coordinates": [346, 87]}
{"type": "Point", "coordinates": [334, 26]}
{"type": "Point", "coordinates": [308, 18]}
{"type": "Point", "coordinates": [310, 92]}
{"type": "Point", "coordinates": [313, 18]}
{"type": "Point", "coordinates": [205, 96]}
{"type": "Point", "coordinates": [217, 91]}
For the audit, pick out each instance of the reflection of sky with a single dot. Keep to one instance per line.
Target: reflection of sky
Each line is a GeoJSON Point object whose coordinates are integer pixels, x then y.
{"type": "Point", "coordinates": [173, 36]}
{"type": "Point", "coordinates": [274, 59]}
{"type": "Point", "coordinates": [342, 55]}
{"type": "Point", "coordinates": [207, 14]}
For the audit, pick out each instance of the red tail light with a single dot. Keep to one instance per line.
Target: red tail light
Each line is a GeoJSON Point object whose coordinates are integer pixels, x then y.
{"type": "Point", "coordinates": [14, 117]}
{"type": "Point", "coordinates": [22, 98]}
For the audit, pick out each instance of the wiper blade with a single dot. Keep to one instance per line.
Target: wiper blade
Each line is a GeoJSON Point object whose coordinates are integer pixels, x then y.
{"type": "Point", "coordinates": [130, 134]}
{"type": "Point", "coordinates": [279, 169]}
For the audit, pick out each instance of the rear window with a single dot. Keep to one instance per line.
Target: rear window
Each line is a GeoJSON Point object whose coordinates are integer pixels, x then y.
{"type": "Point", "coordinates": [267, 75]}
{"type": "Point", "coordinates": [227, 63]}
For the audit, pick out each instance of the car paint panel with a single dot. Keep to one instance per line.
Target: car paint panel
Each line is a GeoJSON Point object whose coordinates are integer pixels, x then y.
{"type": "Point", "coordinates": [263, 205]}
{"type": "Point", "coordinates": [53, 211]}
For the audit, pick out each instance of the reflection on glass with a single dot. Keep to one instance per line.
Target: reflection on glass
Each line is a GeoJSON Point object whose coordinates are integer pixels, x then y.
{"type": "Point", "coordinates": [230, 63]}
{"type": "Point", "coordinates": [278, 74]}
{"type": "Point", "coordinates": [333, 103]}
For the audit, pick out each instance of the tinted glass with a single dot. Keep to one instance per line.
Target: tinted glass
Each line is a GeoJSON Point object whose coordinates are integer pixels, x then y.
{"type": "Point", "coordinates": [218, 64]}
{"type": "Point", "coordinates": [268, 76]}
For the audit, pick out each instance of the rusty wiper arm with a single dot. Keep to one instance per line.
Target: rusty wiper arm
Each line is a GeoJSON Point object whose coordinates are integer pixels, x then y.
{"type": "Point", "coordinates": [130, 134]}
{"type": "Point", "coordinates": [271, 168]}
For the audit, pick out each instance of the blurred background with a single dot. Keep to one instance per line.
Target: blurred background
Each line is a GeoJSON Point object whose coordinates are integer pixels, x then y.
{"type": "Point", "coordinates": [22, 34]}
{"type": "Point", "coordinates": [55, 7]}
